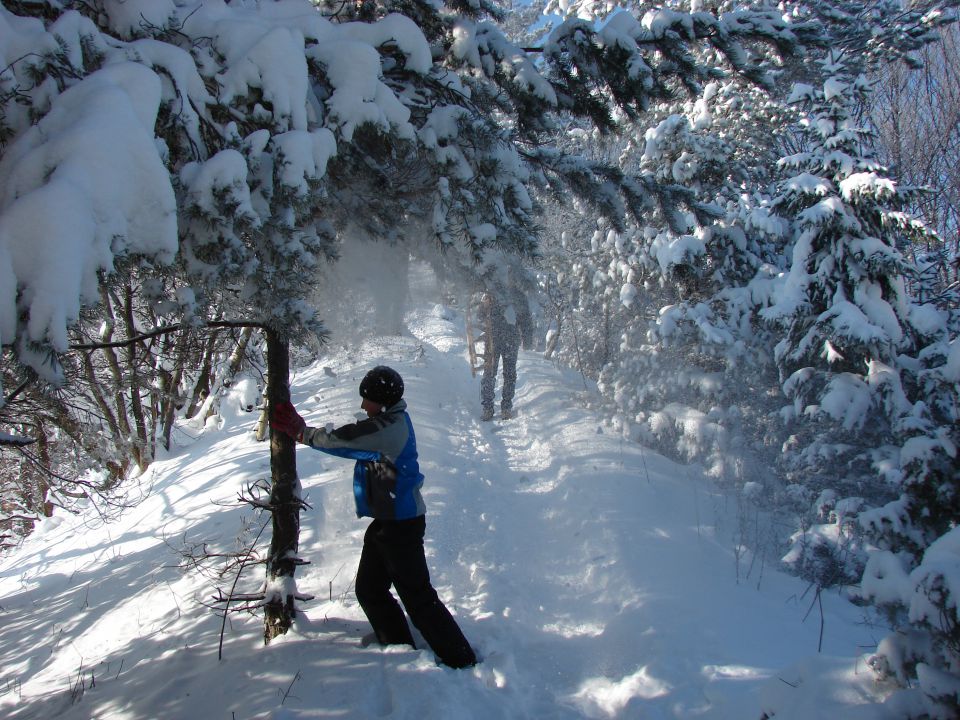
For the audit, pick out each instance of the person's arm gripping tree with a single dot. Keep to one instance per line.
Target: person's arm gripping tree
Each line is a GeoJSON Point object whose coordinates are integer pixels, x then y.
{"type": "Point", "coordinates": [386, 487]}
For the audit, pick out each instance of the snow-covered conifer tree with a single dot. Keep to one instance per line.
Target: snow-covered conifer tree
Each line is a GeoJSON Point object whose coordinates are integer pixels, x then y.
{"type": "Point", "coordinates": [696, 354]}
{"type": "Point", "coordinates": [911, 572]}
{"type": "Point", "coordinates": [846, 314]}
{"type": "Point", "coordinates": [681, 287]}
{"type": "Point", "coordinates": [673, 278]}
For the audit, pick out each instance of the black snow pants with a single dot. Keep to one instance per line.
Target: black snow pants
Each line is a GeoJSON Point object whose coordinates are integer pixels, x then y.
{"type": "Point", "coordinates": [393, 555]}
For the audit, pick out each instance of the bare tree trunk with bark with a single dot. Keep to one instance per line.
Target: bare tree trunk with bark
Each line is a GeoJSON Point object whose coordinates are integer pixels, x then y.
{"type": "Point", "coordinates": [285, 501]}
{"type": "Point", "coordinates": [145, 455]}
{"type": "Point", "coordinates": [202, 387]}
{"type": "Point", "coordinates": [171, 399]}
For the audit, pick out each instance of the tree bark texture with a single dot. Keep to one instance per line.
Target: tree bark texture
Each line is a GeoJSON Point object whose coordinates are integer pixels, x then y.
{"type": "Point", "coordinates": [285, 500]}
{"type": "Point", "coordinates": [202, 387]}
{"type": "Point", "coordinates": [145, 456]}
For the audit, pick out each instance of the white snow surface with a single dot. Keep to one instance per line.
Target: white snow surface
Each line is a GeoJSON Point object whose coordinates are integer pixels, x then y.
{"type": "Point", "coordinates": [595, 578]}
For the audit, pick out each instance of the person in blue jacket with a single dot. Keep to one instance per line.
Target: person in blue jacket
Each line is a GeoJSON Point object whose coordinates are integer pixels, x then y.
{"type": "Point", "coordinates": [386, 487]}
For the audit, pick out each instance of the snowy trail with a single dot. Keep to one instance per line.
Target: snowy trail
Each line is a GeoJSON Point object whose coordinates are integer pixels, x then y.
{"type": "Point", "coordinates": [575, 560]}
{"type": "Point", "coordinates": [590, 558]}
{"type": "Point", "coordinates": [595, 578]}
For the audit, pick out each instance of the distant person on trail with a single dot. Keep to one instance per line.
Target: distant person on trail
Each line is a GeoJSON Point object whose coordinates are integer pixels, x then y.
{"type": "Point", "coordinates": [386, 487]}
{"type": "Point", "coordinates": [507, 323]}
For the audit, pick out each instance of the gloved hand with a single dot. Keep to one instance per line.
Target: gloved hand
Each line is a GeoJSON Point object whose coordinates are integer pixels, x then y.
{"type": "Point", "coordinates": [286, 419]}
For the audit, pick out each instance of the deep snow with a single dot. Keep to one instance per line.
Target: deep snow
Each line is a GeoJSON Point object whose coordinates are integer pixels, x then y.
{"type": "Point", "coordinates": [596, 579]}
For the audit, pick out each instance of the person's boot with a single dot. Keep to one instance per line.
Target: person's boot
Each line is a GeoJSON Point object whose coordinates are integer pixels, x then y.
{"type": "Point", "coordinates": [506, 412]}
{"type": "Point", "coordinates": [486, 414]}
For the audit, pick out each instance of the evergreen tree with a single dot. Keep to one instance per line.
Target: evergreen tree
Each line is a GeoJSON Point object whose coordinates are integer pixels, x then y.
{"type": "Point", "coordinates": [843, 306]}
{"type": "Point", "coordinates": [678, 283]}
{"type": "Point", "coordinates": [911, 570]}
{"type": "Point", "coordinates": [689, 360]}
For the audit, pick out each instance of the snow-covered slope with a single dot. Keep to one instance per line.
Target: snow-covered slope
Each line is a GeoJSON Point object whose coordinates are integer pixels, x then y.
{"type": "Point", "coordinates": [596, 579]}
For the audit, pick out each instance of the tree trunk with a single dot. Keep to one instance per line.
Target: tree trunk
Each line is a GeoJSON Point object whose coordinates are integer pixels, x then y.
{"type": "Point", "coordinates": [263, 423]}
{"type": "Point", "coordinates": [202, 387]}
{"type": "Point", "coordinates": [40, 485]}
{"type": "Point", "coordinates": [234, 364]}
{"type": "Point", "coordinates": [145, 456]}
{"type": "Point", "coordinates": [119, 400]}
{"type": "Point", "coordinates": [171, 399]}
{"type": "Point", "coordinates": [98, 394]}
{"type": "Point", "coordinates": [239, 353]}
{"type": "Point", "coordinates": [285, 501]}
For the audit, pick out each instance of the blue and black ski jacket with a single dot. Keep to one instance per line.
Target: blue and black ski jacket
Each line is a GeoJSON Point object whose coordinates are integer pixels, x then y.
{"type": "Point", "coordinates": [386, 477]}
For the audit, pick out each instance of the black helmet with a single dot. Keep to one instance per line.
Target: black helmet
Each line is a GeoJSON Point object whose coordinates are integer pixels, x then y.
{"type": "Point", "coordinates": [382, 385]}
